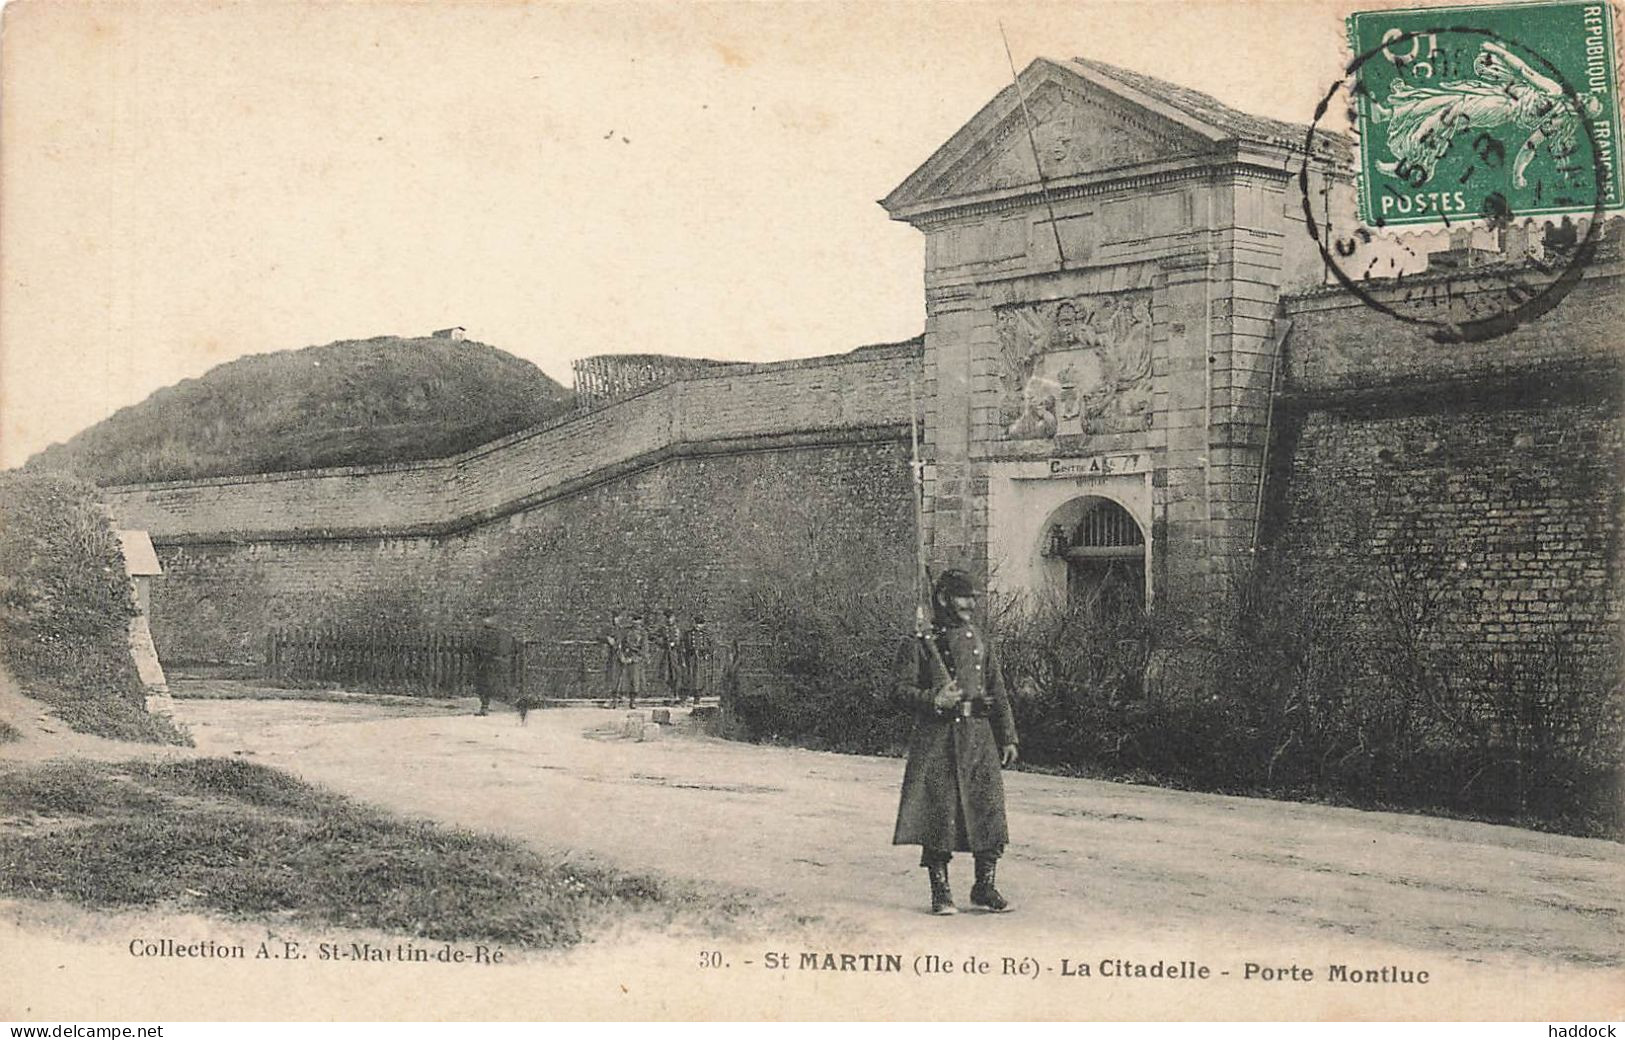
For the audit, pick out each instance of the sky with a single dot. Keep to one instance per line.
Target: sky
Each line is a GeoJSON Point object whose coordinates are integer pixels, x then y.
{"type": "Point", "coordinates": [182, 184]}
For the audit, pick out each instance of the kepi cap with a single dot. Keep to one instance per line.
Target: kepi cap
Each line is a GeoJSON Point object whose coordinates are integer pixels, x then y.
{"type": "Point", "coordinates": [955, 582]}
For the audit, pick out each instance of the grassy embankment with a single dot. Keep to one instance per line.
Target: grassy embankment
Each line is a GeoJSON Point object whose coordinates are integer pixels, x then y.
{"type": "Point", "coordinates": [222, 836]}
{"type": "Point", "coordinates": [354, 402]}
{"type": "Point", "coordinates": [65, 607]}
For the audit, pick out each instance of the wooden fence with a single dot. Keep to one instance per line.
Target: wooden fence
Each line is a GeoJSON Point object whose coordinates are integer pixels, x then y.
{"type": "Point", "coordinates": [565, 669]}
{"type": "Point", "coordinates": [385, 659]}
{"type": "Point", "coordinates": [446, 662]}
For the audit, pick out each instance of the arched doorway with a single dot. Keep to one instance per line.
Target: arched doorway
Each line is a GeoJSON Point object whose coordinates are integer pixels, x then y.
{"type": "Point", "coordinates": [1103, 552]}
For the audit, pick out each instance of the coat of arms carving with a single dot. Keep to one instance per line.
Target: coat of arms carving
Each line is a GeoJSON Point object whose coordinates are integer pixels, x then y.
{"type": "Point", "coordinates": [1075, 367]}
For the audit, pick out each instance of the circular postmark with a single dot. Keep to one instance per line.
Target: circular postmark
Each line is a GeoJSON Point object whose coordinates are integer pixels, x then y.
{"type": "Point", "coordinates": [1443, 102]}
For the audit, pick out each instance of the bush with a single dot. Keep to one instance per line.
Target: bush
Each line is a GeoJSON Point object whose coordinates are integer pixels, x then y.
{"type": "Point", "coordinates": [1385, 699]}
{"type": "Point", "coordinates": [1076, 675]}
{"type": "Point", "coordinates": [65, 607]}
{"type": "Point", "coordinates": [831, 651]}
{"type": "Point", "coordinates": [1122, 693]}
{"type": "Point", "coordinates": [1343, 682]}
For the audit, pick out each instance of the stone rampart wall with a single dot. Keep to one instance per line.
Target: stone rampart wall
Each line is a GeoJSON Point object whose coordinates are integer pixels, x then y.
{"type": "Point", "coordinates": [862, 390]}
{"type": "Point", "coordinates": [1479, 482]}
{"type": "Point", "coordinates": [681, 497]}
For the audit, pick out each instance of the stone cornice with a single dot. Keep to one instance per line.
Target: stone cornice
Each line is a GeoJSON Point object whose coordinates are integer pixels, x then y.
{"type": "Point", "coordinates": [1195, 169]}
{"type": "Point", "coordinates": [912, 194]}
{"type": "Point", "coordinates": [938, 187]}
{"type": "Point", "coordinates": [1521, 385]}
{"type": "Point", "coordinates": [1055, 284]}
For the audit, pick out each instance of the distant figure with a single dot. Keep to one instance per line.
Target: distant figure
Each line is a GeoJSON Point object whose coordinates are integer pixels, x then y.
{"type": "Point", "coordinates": [494, 663]}
{"type": "Point", "coordinates": [667, 639]}
{"type": "Point", "coordinates": [699, 660]}
{"type": "Point", "coordinates": [634, 644]}
{"type": "Point", "coordinates": [611, 639]}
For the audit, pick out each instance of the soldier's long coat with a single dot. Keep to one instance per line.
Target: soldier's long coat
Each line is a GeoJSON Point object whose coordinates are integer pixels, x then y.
{"type": "Point", "coordinates": [666, 642]}
{"type": "Point", "coordinates": [698, 656]}
{"type": "Point", "coordinates": [953, 792]}
{"type": "Point", "coordinates": [629, 661]}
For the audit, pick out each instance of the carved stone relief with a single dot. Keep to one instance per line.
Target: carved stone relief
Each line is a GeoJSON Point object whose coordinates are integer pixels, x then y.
{"type": "Point", "coordinates": [1073, 368]}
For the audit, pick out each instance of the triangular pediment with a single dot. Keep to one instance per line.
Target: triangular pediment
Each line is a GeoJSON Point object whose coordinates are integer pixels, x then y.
{"type": "Point", "coordinates": [1084, 126]}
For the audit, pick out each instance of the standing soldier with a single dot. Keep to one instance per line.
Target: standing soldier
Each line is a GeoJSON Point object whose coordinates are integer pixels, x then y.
{"type": "Point", "coordinates": [494, 665]}
{"type": "Point", "coordinates": [948, 675]}
{"type": "Point", "coordinates": [667, 638]}
{"type": "Point", "coordinates": [634, 643]}
{"type": "Point", "coordinates": [611, 639]}
{"type": "Point", "coordinates": [699, 653]}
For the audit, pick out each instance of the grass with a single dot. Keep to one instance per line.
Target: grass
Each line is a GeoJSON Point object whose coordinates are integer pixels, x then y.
{"type": "Point", "coordinates": [87, 707]}
{"type": "Point", "coordinates": [230, 837]}
{"type": "Point", "coordinates": [354, 402]}
{"type": "Point", "coordinates": [65, 606]}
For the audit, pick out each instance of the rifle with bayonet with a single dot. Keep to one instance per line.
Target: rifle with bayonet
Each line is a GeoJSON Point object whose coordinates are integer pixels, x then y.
{"type": "Point", "coordinates": [924, 608]}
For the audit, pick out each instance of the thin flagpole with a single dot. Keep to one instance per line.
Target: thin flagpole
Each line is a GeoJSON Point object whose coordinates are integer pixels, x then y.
{"type": "Point", "coordinates": [1032, 142]}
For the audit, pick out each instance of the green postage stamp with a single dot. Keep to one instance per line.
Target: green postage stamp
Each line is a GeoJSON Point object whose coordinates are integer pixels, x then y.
{"type": "Point", "coordinates": [1498, 112]}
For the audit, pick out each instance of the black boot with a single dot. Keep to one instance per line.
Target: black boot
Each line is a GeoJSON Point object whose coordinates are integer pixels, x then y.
{"type": "Point", "coordinates": [983, 893]}
{"type": "Point", "coordinates": [942, 897]}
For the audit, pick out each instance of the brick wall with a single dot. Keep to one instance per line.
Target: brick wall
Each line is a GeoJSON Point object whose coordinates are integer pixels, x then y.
{"type": "Point", "coordinates": [699, 534]}
{"type": "Point", "coordinates": [1486, 476]}
{"type": "Point", "coordinates": [1511, 517]}
{"type": "Point", "coordinates": [694, 533]}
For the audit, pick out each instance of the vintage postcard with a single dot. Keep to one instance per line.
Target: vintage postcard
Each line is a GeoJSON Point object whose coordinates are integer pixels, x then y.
{"type": "Point", "coordinates": [811, 511]}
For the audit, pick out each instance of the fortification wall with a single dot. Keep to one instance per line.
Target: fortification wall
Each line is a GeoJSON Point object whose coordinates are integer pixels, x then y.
{"type": "Point", "coordinates": [700, 535]}
{"type": "Point", "coordinates": [1478, 483]}
{"type": "Point", "coordinates": [867, 388]}
{"type": "Point", "coordinates": [682, 497]}
{"type": "Point", "coordinates": [695, 533]}
{"type": "Point", "coordinates": [217, 601]}
{"type": "Point", "coordinates": [1340, 345]}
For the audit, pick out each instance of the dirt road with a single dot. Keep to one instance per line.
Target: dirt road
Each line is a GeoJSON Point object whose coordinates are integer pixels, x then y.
{"type": "Point", "coordinates": [1505, 922]}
